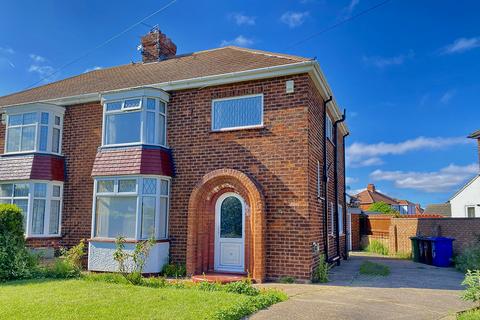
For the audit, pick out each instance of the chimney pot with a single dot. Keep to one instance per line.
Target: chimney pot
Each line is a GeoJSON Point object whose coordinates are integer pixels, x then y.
{"type": "Point", "coordinates": [371, 187]}
{"type": "Point", "coordinates": [156, 46]}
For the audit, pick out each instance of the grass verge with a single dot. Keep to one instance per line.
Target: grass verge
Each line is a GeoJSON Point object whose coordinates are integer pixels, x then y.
{"type": "Point", "coordinates": [469, 315]}
{"type": "Point", "coordinates": [374, 269]}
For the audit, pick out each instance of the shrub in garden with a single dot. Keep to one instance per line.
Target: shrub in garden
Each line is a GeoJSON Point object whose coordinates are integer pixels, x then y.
{"type": "Point", "coordinates": [174, 270]}
{"type": "Point", "coordinates": [472, 284]}
{"type": "Point", "coordinates": [469, 259]}
{"type": "Point", "coordinates": [132, 273]}
{"type": "Point", "coordinates": [69, 265]}
{"type": "Point", "coordinates": [242, 287]}
{"type": "Point", "coordinates": [376, 246]}
{"type": "Point", "coordinates": [15, 260]}
{"type": "Point", "coordinates": [320, 274]}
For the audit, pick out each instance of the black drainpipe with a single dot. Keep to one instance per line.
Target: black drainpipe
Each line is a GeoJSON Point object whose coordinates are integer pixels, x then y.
{"type": "Point", "coordinates": [345, 198]}
{"type": "Point", "coordinates": [325, 179]}
{"type": "Point", "coordinates": [335, 179]}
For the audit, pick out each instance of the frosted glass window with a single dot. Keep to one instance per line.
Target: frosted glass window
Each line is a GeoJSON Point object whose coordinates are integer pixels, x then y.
{"type": "Point", "coordinates": [123, 128]}
{"type": "Point", "coordinates": [105, 186]}
{"type": "Point", "coordinates": [56, 140]}
{"type": "Point", "coordinates": [237, 113]}
{"type": "Point", "coordinates": [115, 216]}
{"type": "Point", "coordinates": [127, 185]}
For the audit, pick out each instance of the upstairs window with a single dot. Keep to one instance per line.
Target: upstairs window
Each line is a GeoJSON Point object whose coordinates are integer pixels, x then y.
{"type": "Point", "coordinates": [132, 121]}
{"type": "Point", "coordinates": [36, 131]}
{"type": "Point", "coordinates": [237, 113]}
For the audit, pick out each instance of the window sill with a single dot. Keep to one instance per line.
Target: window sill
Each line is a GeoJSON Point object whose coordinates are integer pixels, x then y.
{"type": "Point", "coordinates": [112, 240]}
{"type": "Point", "coordinates": [42, 237]}
{"type": "Point", "coordinates": [26, 153]}
{"type": "Point", "coordinates": [132, 145]}
{"type": "Point", "coordinates": [239, 129]}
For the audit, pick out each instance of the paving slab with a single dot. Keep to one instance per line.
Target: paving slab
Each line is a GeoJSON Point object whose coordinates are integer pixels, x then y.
{"type": "Point", "coordinates": [411, 291]}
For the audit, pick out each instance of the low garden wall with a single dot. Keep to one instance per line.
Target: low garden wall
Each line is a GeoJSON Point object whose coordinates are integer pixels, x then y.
{"type": "Point", "coordinates": [395, 233]}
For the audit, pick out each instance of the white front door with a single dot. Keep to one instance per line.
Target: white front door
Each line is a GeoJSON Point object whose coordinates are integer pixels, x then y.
{"type": "Point", "coordinates": [230, 233]}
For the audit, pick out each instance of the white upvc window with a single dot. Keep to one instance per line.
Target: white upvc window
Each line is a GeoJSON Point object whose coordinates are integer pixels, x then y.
{"type": "Point", "coordinates": [329, 128]}
{"type": "Point", "coordinates": [237, 113]}
{"type": "Point", "coordinates": [34, 128]}
{"type": "Point", "coordinates": [40, 203]}
{"type": "Point", "coordinates": [135, 117]}
{"type": "Point", "coordinates": [134, 207]}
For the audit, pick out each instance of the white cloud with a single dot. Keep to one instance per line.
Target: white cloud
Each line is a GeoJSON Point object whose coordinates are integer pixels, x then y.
{"type": "Point", "coordinates": [362, 154]}
{"type": "Point", "coordinates": [240, 41]}
{"type": "Point", "coordinates": [349, 180]}
{"type": "Point", "coordinates": [382, 62]}
{"type": "Point", "coordinates": [42, 71]}
{"type": "Point", "coordinates": [461, 45]}
{"type": "Point", "coordinates": [445, 180]}
{"type": "Point", "coordinates": [92, 69]}
{"type": "Point", "coordinates": [348, 10]}
{"type": "Point", "coordinates": [241, 19]}
{"type": "Point", "coordinates": [36, 58]}
{"type": "Point", "coordinates": [294, 19]}
{"type": "Point", "coordinates": [447, 96]}
{"type": "Point", "coordinates": [6, 50]}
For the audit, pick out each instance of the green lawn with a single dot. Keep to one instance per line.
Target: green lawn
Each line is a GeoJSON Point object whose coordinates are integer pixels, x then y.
{"type": "Point", "coordinates": [80, 299]}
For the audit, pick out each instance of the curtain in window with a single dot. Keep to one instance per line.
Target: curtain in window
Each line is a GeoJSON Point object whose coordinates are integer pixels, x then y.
{"type": "Point", "coordinates": [54, 217]}
{"type": "Point", "coordinates": [237, 112]}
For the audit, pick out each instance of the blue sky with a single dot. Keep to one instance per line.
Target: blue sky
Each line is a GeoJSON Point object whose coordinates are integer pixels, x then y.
{"type": "Point", "coordinates": [406, 72]}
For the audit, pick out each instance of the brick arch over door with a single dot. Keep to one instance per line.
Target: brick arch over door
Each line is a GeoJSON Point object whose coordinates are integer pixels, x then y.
{"type": "Point", "coordinates": [201, 221]}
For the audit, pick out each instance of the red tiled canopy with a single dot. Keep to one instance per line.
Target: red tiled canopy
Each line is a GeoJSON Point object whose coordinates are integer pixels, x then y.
{"type": "Point", "coordinates": [137, 160]}
{"type": "Point", "coordinates": [33, 166]}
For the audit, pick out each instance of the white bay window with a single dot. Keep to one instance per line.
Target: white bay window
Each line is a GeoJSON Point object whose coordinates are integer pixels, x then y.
{"type": "Point", "coordinates": [34, 128]}
{"type": "Point", "coordinates": [40, 203]}
{"type": "Point", "coordinates": [131, 207]}
{"type": "Point", "coordinates": [135, 117]}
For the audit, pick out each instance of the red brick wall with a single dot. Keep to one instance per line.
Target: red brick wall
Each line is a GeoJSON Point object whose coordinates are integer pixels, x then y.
{"type": "Point", "coordinates": [464, 230]}
{"type": "Point", "coordinates": [316, 207]}
{"type": "Point", "coordinates": [275, 156]}
{"type": "Point", "coordinates": [355, 231]}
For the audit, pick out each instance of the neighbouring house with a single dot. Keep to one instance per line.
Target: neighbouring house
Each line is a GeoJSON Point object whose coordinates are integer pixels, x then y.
{"type": "Point", "coordinates": [443, 209]}
{"type": "Point", "coordinates": [232, 159]}
{"type": "Point", "coordinates": [465, 203]}
{"type": "Point", "coordinates": [371, 195]}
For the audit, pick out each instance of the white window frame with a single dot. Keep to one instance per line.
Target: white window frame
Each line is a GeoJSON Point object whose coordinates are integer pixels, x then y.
{"type": "Point", "coordinates": [329, 128]}
{"type": "Point", "coordinates": [238, 127]}
{"type": "Point", "coordinates": [48, 200]}
{"type": "Point", "coordinates": [38, 109]}
{"type": "Point", "coordinates": [139, 195]}
{"type": "Point", "coordinates": [158, 95]}
{"type": "Point", "coordinates": [340, 219]}
{"type": "Point", "coordinates": [474, 210]}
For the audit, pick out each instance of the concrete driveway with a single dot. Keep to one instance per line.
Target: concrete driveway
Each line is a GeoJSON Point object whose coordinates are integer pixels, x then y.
{"type": "Point", "coordinates": [411, 291]}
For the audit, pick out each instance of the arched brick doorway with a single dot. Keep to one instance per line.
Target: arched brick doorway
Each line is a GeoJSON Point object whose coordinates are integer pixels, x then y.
{"type": "Point", "coordinates": [201, 221]}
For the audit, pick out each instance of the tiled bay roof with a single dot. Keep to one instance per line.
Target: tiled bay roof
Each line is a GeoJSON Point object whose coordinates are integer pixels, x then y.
{"type": "Point", "coordinates": [195, 65]}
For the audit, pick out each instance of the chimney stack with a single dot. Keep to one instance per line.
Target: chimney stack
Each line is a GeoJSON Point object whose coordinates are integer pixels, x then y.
{"type": "Point", "coordinates": [371, 187]}
{"type": "Point", "coordinates": [156, 46]}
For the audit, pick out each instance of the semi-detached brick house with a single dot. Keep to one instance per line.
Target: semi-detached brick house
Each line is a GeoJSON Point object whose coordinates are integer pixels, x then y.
{"type": "Point", "coordinates": [221, 155]}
